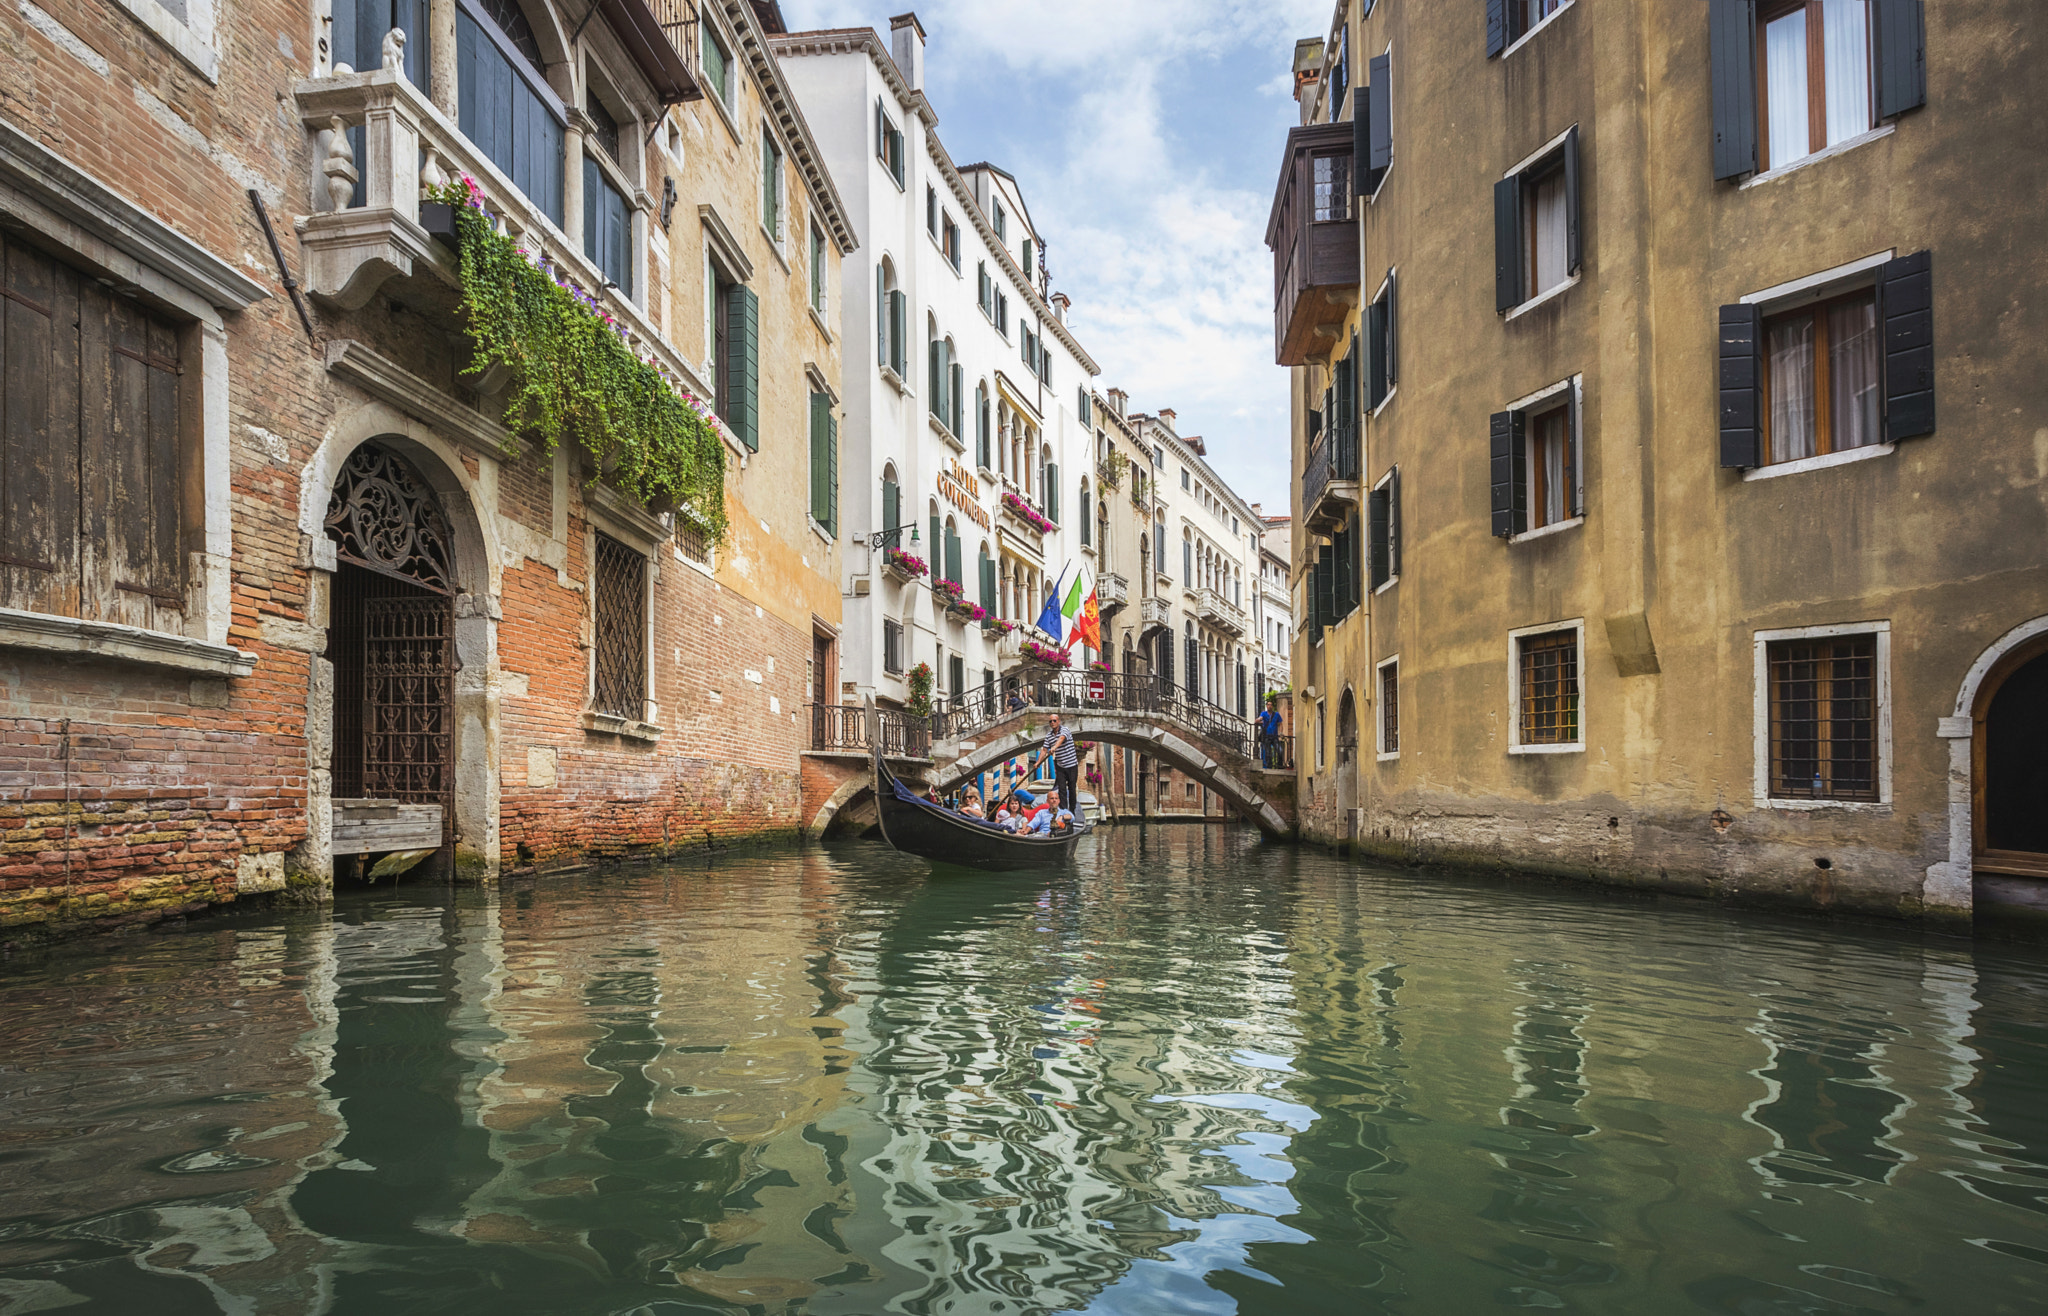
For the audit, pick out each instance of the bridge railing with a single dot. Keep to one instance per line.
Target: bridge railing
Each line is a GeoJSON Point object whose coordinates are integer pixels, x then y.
{"type": "Point", "coordinates": [847, 727]}
{"type": "Point", "coordinates": [1121, 692]}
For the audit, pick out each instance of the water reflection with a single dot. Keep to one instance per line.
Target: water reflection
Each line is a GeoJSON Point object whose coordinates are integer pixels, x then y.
{"type": "Point", "coordinates": [1197, 1074]}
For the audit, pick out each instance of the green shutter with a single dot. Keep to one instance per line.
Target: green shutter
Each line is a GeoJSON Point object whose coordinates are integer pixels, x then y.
{"type": "Point", "coordinates": [953, 570]}
{"type": "Point", "coordinates": [988, 582]}
{"type": "Point", "coordinates": [892, 513]}
{"type": "Point", "coordinates": [831, 471]}
{"type": "Point", "coordinates": [742, 378]}
{"type": "Point", "coordinates": [1052, 491]}
{"type": "Point", "coordinates": [821, 415]}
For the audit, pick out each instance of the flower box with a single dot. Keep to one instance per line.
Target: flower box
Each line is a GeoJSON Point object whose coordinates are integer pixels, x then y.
{"type": "Point", "coordinates": [949, 592]}
{"type": "Point", "coordinates": [995, 628]}
{"type": "Point", "coordinates": [1045, 656]}
{"type": "Point", "coordinates": [901, 566]}
{"type": "Point", "coordinates": [963, 610]}
{"type": "Point", "coordinates": [1024, 512]}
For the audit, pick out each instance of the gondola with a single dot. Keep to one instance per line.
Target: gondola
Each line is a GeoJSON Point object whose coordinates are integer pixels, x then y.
{"type": "Point", "coordinates": [932, 831]}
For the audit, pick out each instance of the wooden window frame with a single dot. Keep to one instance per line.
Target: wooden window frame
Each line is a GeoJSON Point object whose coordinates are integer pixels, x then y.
{"type": "Point", "coordinates": [607, 551]}
{"type": "Point", "coordinates": [1823, 391]}
{"type": "Point", "coordinates": [1341, 186]}
{"type": "Point", "coordinates": [1539, 490]}
{"type": "Point", "coordinates": [1769, 11]}
{"type": "Point", "coordinates": [1388, 724]}
{"type": "Point", "coordinates": [1881, 732]}
{"type": "Point", "coordinates": [1517, 698]}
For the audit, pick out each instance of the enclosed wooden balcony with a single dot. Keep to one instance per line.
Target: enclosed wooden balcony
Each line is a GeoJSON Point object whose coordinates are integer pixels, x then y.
{"type": "Point", "coordinates": [1314, 239]}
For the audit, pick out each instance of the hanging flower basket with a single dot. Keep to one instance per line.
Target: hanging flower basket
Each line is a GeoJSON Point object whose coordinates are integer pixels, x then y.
{"type": "Point", "coordinates": [949, 592]}
{"type": "Point", "coordinates": [964, 610]}
{"type": "Point", "coordinates": [901, 566]}
{"type": "Point", "coordinates": [1046, 656]}
{"type": "Point", "coordinates": [995, 628]}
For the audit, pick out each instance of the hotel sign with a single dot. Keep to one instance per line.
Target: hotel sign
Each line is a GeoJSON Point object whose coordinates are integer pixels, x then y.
{"type": "Point", "coordinates": [958, 486]}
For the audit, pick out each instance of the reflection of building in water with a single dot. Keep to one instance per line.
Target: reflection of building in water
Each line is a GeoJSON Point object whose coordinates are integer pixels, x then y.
{"type": "Point", "coordinates": [653, 1116]}
{"type": "Point", "coordinates": [1025, 1151]}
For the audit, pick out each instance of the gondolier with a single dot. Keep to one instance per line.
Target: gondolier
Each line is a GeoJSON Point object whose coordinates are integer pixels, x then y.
{"type": "Point", "coordinates": [1066, 759]}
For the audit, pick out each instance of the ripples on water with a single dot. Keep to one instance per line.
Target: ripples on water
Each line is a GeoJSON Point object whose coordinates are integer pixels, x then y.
{"type": "Point", "coordinates": [1196, 1074]}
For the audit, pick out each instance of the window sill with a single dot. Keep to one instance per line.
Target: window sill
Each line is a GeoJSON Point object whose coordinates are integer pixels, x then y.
{"type": "Point", "coordinates": [1825, 153]}
{"type": "Point", "coordinates": [818, 319]}
{"type": "Point", "coordinates": [896, 382]}
{"type": "Point", "coordinates": [44, 633]}
{"type": "Point", "coordinates": [939, 428]}
{"type": "Point", "coordinates": [1386, 585]}
{"type": "Point", "coordinates": [725, 112]}
{"type": "Point", "coordinates": [1528, 36]}
{"type": "Point", "coordinates": [173, 32]}
{"type": "Point", "coordinates": [1819, 463]}
{"type": "Point", "coordinates": [1555, 528]}
{"type": "Point", "coordinates": [818, 528]}
{"type": "Point", "coordinates": [611, 724]}
{"type": "Point", "coordinates": [1547, 295]}
{"type": "Point", "coordinates": [1812, 806]}
{"type": "Point", "coordinates": [775, 245]}
{"type": "Point", "coordinates": [1387, 758]}
{"type": "Point", "coordinates": [1577, 748]}
{"type": "Point", "coordinates": [1374, 414]}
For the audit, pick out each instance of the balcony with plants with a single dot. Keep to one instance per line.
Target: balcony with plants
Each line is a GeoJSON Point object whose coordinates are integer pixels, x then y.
{"type": "Point", "coordinates": [903, 566]}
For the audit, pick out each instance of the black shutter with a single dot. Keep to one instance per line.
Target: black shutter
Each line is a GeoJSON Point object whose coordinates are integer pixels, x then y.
{"type": "Point", "coordinates": [1509, 476]}
{"type": "Point", "coordinates": [1575, 450]}
{"type": "Point", "coordinates": [1375, 354]}
{"type": "Point", "coordinates": [1393, 331]}
{"type": "Point", "coordinates": [1900, 27]}
{"type": "Point", "coordinates": [1906, 301]}
{"type": "Point", "coordinates": [1496, 27]}
{"type": "Point", "coordinates": [1326, 587]}
{"type": "Point", "coordinates": [1361, 143]}
{"type": "Point", "coordinates": [1380, 119]}
{"type": "Point", "coordinates": [1394, 524]}
{"type": "Point", "coordinates": [1741, 386]}
{"type": "Point", "coordinates": [1507, 243]}
{"type": "Point", "coordinates": [1574, 208]}
{"type": "Point", "coordinates": [743, 388]}
{"type": "Point", "coordinates": [1731, 37]}
{"type": "Point", "coordinates": [1376, 533]}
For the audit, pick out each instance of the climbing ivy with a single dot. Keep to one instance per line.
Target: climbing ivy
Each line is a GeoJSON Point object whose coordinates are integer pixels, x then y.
{"type": "Point", "coordinates": [575, 375]}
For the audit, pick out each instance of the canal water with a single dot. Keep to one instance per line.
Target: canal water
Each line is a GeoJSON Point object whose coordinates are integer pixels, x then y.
{"type": "Point", "coordinates": [1194, 1074]}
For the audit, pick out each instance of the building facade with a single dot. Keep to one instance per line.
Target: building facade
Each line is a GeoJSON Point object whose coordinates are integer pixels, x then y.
{"type": "Point", "coordinates": [283, 592]}
{"type": "Point", "coordinates": [965, 463]}
{"type": "Point", "coordinates": [1662, 465]}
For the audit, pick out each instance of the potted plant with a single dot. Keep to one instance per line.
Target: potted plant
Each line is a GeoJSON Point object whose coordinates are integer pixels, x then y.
{"type": "Point", "coordinates": [966, 610]}
{"type": "Point", "coordinates": [1026, 513]}
{"type": "Point", "coordinates": [921, 690]}
{"type": "Point", "coordinates": [899, 564]}
{"type": "Point", "coordinates": [1044, 655]}
{"type": "Point", "coordinates": [995, 628]}
{"type": "Point", "coordinates": [949, 592]}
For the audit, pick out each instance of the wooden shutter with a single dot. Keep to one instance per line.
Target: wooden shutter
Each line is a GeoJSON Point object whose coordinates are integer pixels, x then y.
{"type": "Point", "coordinates": [1509, 474]}
{"type": "Point", "coordinates": [1361, 144]}
{"type": "Point", "coordinates": [1052, 491]}
{"type": "Point", "coordinates": [988, 582]}
{"type": "Point", "coordinates": [1575, 450]}
{"type": "Point", "coordinates": [953, 568]}
{"type": "Point", "coordinates": [1394, 524]}
{"type": "Point", "coordinates": [39, 409]}
{"type": "Point", "coordinates": [1393, 353]}
{"type": "Point", "coordinates": [1731, 39]}
{"type": "Point", "coordinates": [593, 216]}
{"type": "Point", "coordinates": [935, 378]}
{"type": "Point", "coordinates": [899, 330]}
{"type": "Point", "coordinates": [936, 546]}
{"type": "Point", "coordinates": [881, 317]}
{"type": "Point", "coordinates": [742, 379]}
{"type": "Point", "coordinates": [892, 513]}
{"type": "Point", "coordinates": [955, 379]}
{"type": "Point", "coordinates": [821, 411]}
{"type": "Point", "coordinates": [1496, 27]}
{"type": "Point", "coordinates": [831, 470]}
{"type": "Point", "coordinates": [1574, 210]}
{"type": "Point", "coordinates": [1900, 27]}
{"type": "Point", "coordinates": [1380, 121]}
{"type": "Point", "coordinates": [1742, 373]}
{"type": "Point", "coordinates": [1326, 587]}
{"type": "Point", "coordinates": [1377, 504]}
{"type": "Point", "coordinates": [1906, 302]}
{"type": "Point", "coordinates": [1507, 243]}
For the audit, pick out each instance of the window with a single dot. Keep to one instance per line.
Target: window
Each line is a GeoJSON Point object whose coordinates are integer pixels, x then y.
{"type": "Point", "coordinates": [1537, 473]}
{"type": "Point", "coordinates": [716, 75]}
{"type": "Point", "coordinates": [1087, 531]}
{"type": "Point", "coordinates": [1002, 223]}
{"type": "Point", "coordinates": [1185, 482]}
{"type": "Point", "coordinates": [1536, 232]}
{"type": "Point", "coordinates": [987, 579]}
{"type": "Point", "coordinates": [736, 328]}
{"type": "Point", "coordinates": [888, 143]}
{"type": "Point", "coordinates": [1508, 21]}
{"type": "Point", "coordinates": [824, 464]}
{"type": "Point", "coordinates": [607, 226]}
{"type": "Point", "coordinates": [1843, 364]}
{"type": "Point", "coordinates": [1383, 531]}
{"type": "Point", "coordinates": [1332, 188]}
{"type": "Point", "coordinates": [1380, 338]}
{"type": "Point", "coordinates": [984, 290]}
{"type": "Point", "coordinates": [1027, 258]}
{"type": "Point", "coordinates": [1390, 709]}
{"type": "Point", "coordinates": [1823, 700]}
{"type": "Point", "coordinates": [956, 675]}
{"type": "Point", "coordinates": [1003, 314]}
{"type": "Point", "coordinates": [504, 104]}
{"type": "Point", "coordinates": [1795, 77]}
{"type": "Point", "coordinates": [1084, 406]}
{"type": "Point", "coordinates": [1546, 687]}
{"type": "Point", "coordinates": [1159, 456]}
{"type": "Point", "coordinates": [931, 211]}
{"type": "Point", "coordinates": [983, 439]}
{"type": "Point", "coordinates": [892, 509]}
{"type": "Point", "coordinates": [1028, 348]}
{"type": "Point", "coordinates": [1815, 59]}
{"type": "Point", "coordinates": [892, 647]}
{"type": "Point", "coordinates": [1340, 68]}
{"type": "Point", "coordinates": [604, 129]}
{"type": "Point", "coordinates": [771, 186]}
{"type": "Point", "coordinates": [943, 383]}
{"type": "Point", "coordinates": [692, 540]}
{"type": "Point", "coordinates": [949, 240]}
{"type": "Point", "coordinates": [892, 312]}
{"type": "Point", "coordinates": [619, 616]}
{"type": "Point", "coordinates": [818, 275]}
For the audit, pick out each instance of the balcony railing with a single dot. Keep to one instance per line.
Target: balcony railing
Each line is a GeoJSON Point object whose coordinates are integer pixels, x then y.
{"type": "Point", "coordinates": [1111, 592]}
{"type": "Point", "coordinates": [1125, 692]}
{"type": "Point", "coordinates": [849, 728]}
{"type": "Point", "coordinates": [1156, 614]}
{"type": "Point", "coordinates": [1212, 607]}
{"type": "Point", "coordinates": [1329, 479]}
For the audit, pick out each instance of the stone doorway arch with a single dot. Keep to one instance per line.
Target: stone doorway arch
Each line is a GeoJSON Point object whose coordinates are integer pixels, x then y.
{"type": "Point", "coordinates": [1955, 887]}
{"type": "Point", "coordinates": [1347, 767]}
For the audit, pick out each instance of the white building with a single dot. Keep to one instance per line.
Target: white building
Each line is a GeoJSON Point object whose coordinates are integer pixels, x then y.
{"type": "Point", "coordinates": [1273, 603]}
{"type": "Point", "coordinates": [963, 388]}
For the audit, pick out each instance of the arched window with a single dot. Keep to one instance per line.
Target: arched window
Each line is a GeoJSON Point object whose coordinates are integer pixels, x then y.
{"type": "Point", "coordinates": [1102, 527]}
{"type": "Point", "coordinates": [892, 507]}
{"type": "Point", "coordinates": [953, 551]}
{"type": "Point", "coordinates": [892, 320]}
{"type": "Point", "coordinates": [1087, 531]}
{"type": "Point", "coordinates": [982, 456]}
{"type": "Point", "coordinates": [986, 572]}
{"type": "Point", "coordinates": [1051, 483]}
{"type": "Point", "coordinates": [1187, 557]}
{"type": "Point", "coordinates": [956, 419]}
{"type": "Point", "coordinates": [937, 541]}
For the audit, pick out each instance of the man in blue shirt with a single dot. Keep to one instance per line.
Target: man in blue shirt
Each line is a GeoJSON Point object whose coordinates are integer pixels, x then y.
{"type": "Point", "coordinates": [1269, 733]}
{"type": "Point", "coordinates": [1055, 821]}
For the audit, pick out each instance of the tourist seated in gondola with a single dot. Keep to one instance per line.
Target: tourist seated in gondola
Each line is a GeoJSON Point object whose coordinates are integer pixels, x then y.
{"type": "Point", "coordinates": [1052, 820]}
{"type": "Point", "coordinates": [970, 805]}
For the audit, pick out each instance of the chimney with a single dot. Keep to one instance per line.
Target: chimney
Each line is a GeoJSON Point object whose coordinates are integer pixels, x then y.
{"type": "Point", "coordinates": [1059, 307]}
{"type": "Point", "coordinates": [1119, 400]}
{"type": "Point", "coordinates": [1166, 418]}
{"type": "Point", "coordinates": [906, 44]}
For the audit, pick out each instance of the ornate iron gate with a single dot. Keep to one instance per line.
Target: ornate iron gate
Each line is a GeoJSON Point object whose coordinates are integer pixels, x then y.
{"type": "Point", "coordinates": [408, 697]}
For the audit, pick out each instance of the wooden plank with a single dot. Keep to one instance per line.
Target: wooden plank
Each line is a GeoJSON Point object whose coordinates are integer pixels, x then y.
{"type": "Point", "coordinates": [373, 828]}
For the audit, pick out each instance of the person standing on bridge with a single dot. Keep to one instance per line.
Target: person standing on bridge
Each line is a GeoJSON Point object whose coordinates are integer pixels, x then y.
{"type": "Point", "coordinates": [1269, 733]}
{"type": "Point", "coordinates": [1066, 760]}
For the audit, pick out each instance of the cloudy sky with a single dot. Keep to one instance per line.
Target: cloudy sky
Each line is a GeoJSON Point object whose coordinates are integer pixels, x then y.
{"type": "Point", "coordinates": [1146, 135]}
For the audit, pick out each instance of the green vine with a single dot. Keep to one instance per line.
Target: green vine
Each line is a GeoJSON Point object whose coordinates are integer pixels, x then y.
{"type": "Point", "coordinates": [921, 690]}
{"type": "Point", "coordinates": [575, 375]}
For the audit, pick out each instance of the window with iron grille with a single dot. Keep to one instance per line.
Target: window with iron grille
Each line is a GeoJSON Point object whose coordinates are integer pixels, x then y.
{"type": "Point", "coordinates": [1548, 691]}
{"type": "Point", "coordinates": [691, 539]}
{"type": "Point", "coordinates": [620, 608]}
{"type": "Point", "coordinates": [892, 646]}
{"type": "Point", "coordinates": [1390, 708]}
{"type": "Point", "coordinates": [1823, 710]}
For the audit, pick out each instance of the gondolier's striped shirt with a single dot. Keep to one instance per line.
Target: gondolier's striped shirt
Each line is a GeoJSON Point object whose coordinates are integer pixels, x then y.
{"type": "Point", "coordinates": [1068, 757]}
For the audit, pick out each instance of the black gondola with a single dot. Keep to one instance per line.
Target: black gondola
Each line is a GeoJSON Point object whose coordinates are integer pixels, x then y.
{"type": "Point", "coordinates": [932, 831]}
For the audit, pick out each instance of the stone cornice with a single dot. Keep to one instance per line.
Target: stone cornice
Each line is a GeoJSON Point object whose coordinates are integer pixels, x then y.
{"type": "Point", "coordinates": [803, 148]}
{"type": "Point", "coordinates": [77, 637]}
{"type": "Point", "coordinates": [387, 381]}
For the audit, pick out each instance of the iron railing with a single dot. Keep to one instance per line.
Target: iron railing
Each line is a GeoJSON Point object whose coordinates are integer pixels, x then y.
{"type": "Point", "coordinates": [1124, 692]}
{"type": "Point", "coordinates": [846, 728]}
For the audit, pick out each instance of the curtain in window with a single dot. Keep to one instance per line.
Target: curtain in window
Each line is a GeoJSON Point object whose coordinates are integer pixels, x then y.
{"type": "Point", "coordinates": [1556, 471]}
{"type": "Point", "coordinates": [1791, 366]}
{"type": "Point", "coordinates": [1853, 373]}
{"type": "Point", "coordinates": [1785, 86]}
{"type": "Point", "coordinates": [1552, 259]}
{"type": "Point", "coordinates": [1845, 42]}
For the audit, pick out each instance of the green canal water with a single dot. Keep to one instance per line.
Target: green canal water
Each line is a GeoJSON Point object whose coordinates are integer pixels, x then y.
{"type": "Point", "coordinates": [1193, 1074]}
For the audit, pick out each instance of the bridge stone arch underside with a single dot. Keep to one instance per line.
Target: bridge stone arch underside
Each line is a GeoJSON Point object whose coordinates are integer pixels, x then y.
{"type": "Point", "coordinates": [1228, 774]}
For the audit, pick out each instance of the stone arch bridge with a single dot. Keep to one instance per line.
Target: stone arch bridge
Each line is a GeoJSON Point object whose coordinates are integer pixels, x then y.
{"type": "Point", "coordinates": [974, 733]}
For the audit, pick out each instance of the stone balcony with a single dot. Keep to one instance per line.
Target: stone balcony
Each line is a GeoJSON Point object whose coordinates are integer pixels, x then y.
{"type": "Point", "coordinates": [1219, 612]}
{"type": "Point", "coordinates": [1155, 614]}
{"type": "Point", "coordinates": [1112, 592]}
